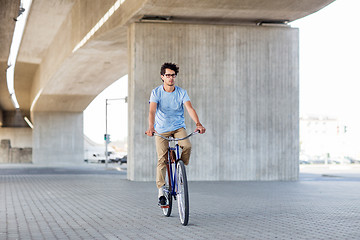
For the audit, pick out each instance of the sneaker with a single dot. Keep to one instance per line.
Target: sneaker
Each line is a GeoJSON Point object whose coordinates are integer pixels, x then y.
{"type": "Point", "coordinates": [161, 191]}
{"type": "Point", "coordinates": [162, 201]}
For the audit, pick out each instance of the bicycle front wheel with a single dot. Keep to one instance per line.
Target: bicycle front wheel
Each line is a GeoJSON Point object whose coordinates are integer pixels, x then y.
{"type": "Point", "coordinates": [182, 193]}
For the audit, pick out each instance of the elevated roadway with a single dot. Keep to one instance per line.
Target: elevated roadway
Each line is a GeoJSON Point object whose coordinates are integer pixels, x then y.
{"type": "Point", "coordinates": [51, 77]}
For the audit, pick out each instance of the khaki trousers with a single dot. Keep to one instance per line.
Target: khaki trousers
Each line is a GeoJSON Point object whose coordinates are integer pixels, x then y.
{"type": "Point", "coordinates": [162, 152]}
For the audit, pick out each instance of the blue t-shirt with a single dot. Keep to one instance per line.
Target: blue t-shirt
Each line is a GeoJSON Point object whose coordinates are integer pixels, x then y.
{"type": "Point", "coordinates": [170, 108]}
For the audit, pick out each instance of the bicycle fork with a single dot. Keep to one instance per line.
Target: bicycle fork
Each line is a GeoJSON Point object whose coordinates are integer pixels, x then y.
{"type": "Point", "coordinates": [171, 167]}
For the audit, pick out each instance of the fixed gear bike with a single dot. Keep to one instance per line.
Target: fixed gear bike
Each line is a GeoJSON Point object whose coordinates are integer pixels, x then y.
{"type": "Point", "coordinates": [176, 186]}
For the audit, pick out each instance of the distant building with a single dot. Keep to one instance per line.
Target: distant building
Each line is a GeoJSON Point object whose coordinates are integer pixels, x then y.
{"type": "Point", "coordinates": [322, 136]}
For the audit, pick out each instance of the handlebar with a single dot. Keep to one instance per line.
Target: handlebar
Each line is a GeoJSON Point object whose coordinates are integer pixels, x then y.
{"type": "Point", "coordinates": [176, 139]}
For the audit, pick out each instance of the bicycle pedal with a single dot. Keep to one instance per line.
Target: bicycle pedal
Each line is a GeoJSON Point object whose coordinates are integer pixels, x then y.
{"type": "Point", "coordinates": [167, 206]}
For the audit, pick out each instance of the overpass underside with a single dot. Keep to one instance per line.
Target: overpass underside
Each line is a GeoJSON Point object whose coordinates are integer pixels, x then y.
{"type": "Point", "coordinates": [241, 73]}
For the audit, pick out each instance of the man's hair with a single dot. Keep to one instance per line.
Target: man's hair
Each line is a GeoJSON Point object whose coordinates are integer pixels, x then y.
{"type": "Point", "coordinates": [171, 66]}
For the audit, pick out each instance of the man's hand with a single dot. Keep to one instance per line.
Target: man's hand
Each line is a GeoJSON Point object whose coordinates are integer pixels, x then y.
{"type": "Point", "coordinates": [200, 128]}
{"type": "Point", "coordinates": [150, 132]}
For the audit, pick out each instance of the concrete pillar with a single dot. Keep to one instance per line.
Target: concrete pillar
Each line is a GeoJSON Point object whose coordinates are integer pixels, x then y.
{"type": "Point", "coordinates": [20, 155]}
{"type": "Point", "coordinates": [16, 145]}
{"type": "Point", "coordinates": [58, 138]}
{"type": "Point", "coordinates": [242, 80]}
{"type": "Point", "coordinates": [5, 147]}
{"type": "Point", "coordinates": [19, 137]}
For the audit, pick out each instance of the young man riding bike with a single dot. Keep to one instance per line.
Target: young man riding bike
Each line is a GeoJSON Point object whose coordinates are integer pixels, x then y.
{"type": "Point", "coordinates": [166, 117]}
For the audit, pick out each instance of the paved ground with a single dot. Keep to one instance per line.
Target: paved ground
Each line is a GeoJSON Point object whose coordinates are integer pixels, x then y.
{"type": "Point", "coordinates": [93, 203]}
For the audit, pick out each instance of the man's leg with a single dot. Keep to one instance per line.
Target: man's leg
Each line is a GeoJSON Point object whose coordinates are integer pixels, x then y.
{"type": "Point", "coordinates": [162, 152]}
{"type": "Point", "coordinates": [184, 144]}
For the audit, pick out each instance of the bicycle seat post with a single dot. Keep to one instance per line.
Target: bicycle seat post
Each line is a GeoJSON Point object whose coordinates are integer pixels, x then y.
{"type": "Point", "coordinates": [172, 142]}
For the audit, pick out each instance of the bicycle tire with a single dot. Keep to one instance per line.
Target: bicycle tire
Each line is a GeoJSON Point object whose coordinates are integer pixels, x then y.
{"type": "Point", "coordinates": [182, 193]}
{"type": "Point", "coordinates": [167, 210]}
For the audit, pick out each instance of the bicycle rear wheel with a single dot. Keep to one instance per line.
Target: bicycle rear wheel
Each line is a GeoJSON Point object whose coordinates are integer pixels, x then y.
{"type": "Point", "coordinates": [167, 193]}
{"type": "Point", "coordinates": [182, 193]}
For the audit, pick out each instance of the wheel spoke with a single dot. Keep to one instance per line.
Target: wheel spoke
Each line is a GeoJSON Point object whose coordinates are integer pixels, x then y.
{"type": "Point", "coordinates": [182, 193]}
{"type": "Point", "coordinates": [167, 193]}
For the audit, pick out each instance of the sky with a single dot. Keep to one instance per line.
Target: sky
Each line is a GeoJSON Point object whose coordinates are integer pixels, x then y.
{"type": "Point", "coordinates": [329, 61]}
{"type": "Point", "coordinates": [117, 117]}
{"type": "Point", "coordinates": [329, 73]}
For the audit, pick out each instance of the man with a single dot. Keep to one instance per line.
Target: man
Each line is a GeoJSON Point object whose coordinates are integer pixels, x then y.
{"type": "Point", "coordinates": [166, 117]}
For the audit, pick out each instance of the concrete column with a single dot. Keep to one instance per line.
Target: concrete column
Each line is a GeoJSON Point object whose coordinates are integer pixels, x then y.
{"type": "Point", "coordinates": [5, 147]}
{"type": "Point", "coordinates": [16, 145]}
{"type": "Point", "coordinates": [242, 80]}
{"type": "Point", "coordinates": [58, 138]}
{"type": "Point", "coordinates": [1, 118]}
{"type": "Point", "coordinates": [19, 137]}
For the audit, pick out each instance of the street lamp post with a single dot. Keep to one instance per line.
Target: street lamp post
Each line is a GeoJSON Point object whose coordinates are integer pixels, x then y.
{"type": "Point", "coordinates": [107, 136]}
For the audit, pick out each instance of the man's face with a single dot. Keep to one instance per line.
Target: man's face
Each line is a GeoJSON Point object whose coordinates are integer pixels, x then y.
{"type": "Point", "coordinates": [169, 77]}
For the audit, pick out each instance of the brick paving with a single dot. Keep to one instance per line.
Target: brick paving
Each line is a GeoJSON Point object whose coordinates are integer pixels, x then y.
{"type": "Point", "coordinates": [92, 203]}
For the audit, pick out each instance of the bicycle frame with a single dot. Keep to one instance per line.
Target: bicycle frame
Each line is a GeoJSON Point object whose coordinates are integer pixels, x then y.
{"type": "Point", "coordinates": [176, 180]}
{"type": "Point", "coordinates": [171, 166]}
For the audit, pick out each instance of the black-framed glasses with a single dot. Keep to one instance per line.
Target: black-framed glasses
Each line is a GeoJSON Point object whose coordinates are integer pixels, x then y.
{"type": "Point", "coordinates": [170, 75]}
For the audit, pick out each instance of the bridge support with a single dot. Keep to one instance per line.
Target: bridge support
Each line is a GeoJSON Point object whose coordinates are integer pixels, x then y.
{"type": "Point", "coordinates": [58, 138]}
{"type": "Point", "coordinates": [243, 82]}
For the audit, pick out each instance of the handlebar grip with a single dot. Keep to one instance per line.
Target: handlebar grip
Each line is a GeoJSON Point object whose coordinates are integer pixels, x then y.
{"type": "Point", "coordinates": [152, 133]}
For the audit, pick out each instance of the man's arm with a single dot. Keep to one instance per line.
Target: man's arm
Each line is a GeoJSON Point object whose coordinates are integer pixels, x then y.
{"type": "Point", "coordinates": [194, 117]}
{"type": "Point", "coordinates": [152, 111]}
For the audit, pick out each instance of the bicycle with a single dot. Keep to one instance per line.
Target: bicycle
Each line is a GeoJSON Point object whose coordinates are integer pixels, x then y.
{"type": "Point", "coordinates": [176, 180]}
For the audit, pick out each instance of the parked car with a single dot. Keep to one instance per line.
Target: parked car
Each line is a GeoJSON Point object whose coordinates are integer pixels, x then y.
{"type": "Point", "coordinates": [122, 160]}
{"type": "Point", "coordinates": [95, 158]}
{"type": "Point", "coordinates": [352, 160]}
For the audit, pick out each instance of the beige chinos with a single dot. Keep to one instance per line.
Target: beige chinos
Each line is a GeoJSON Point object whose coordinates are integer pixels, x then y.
{"type": "Point", "coordinates": [162, 151]}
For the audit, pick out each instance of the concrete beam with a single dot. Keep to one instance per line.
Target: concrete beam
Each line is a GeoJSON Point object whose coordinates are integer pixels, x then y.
{"type": "Point", "coordinates": [54, 28]}
{"type": "Point", "coordinates": [8, 11]}
{"type": "Point", "coordinates": [247, 11]}
{"type": "Point", "coordinates": [78, 77]}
